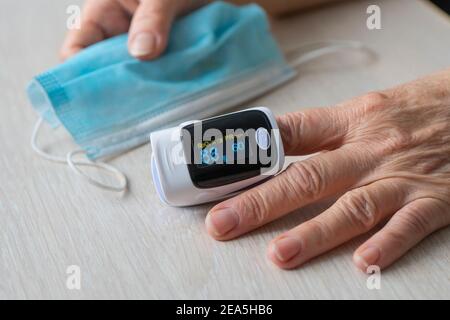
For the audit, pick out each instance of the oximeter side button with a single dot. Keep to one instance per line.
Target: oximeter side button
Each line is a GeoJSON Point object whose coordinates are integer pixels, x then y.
{"type": "Point", "coordinates": [263, 138]}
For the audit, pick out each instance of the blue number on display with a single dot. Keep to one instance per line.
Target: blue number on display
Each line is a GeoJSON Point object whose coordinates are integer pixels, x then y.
{"type": "Point", "coordinates": [211, 155]}
{"type": "Point", "coordinates": [204, 154]}
{"type": "Point", "coordinates": [214, 154]}
{"type": "Point", "coordinates": [239, 146]}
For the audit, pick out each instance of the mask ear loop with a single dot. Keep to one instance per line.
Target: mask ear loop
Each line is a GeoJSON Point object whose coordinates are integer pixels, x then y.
{"type": "Point", "coordinates": [101, 165]}
{"type": "Point", "coordinates": [313, 50]}
{"type": "Point", "coordinates": [74, 163]}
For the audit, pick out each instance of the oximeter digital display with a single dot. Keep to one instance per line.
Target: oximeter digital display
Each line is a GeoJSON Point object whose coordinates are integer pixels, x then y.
{"type": "Point", "coordinates": [207, 160]}
{"type": "Point", "coordinates": [221, 163]}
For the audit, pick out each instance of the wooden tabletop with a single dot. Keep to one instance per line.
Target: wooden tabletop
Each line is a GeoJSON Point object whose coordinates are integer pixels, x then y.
{"type": "Point", "coordinates": [134, 246]}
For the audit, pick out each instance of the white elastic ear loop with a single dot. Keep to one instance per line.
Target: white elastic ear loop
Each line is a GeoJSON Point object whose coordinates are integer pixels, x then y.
{"type": "Point", "coordinates": [101, 165]}
{"type": "Point", "coordinates": [313, 50]}
{"type": "Point", "coordinates": [73, 164]}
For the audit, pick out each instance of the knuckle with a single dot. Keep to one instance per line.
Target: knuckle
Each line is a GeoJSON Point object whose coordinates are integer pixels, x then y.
{"type": "Point", "coordinates": [322, 234]}
{"type": "Point", "coordinates": [152, 20]}
{"type": "Point", "coordinates": [159, 8]}
{"type": "Point", "coordinates": [397, 139]}
{"type": "Point", "coordinates": [306, 179]}
{"type": "Point", "coordinates": [253, 209]}
{"type": "Point", "coordinates": [397, 238]}
{"type": "Point", "coordinates": [359, 208]}
{"type": "Point", "coordinates": [374, 101]}
{"type": "Point", "coordinates": [286, 188]}
{"type": "Point", "coordinates": [291, 128]}
{"type": "Point", "coordinates": [416, 221]}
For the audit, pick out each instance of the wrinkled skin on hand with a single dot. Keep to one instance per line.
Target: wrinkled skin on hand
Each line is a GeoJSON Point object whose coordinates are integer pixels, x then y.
{"type": "Point", "coordinates": [387, 152]}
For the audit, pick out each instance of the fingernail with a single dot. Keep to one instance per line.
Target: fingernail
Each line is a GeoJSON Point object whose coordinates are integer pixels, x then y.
{"type": "Point", "coordinates": [222, 221]}
{"type": "Point", "coordinates": [143, 45]}
{"type": "Point", "coordinates": [369, 256]}
{"type": "Point", "coordinates": [286, 248]}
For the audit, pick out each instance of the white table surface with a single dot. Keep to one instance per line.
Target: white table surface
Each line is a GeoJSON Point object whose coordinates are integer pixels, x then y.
{"type": "Point", "coordinates": [134, 247]}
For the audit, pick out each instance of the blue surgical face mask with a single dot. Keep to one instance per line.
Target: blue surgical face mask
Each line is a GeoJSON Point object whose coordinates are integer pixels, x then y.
{"type": "Point", "coordinates": [217, 57]}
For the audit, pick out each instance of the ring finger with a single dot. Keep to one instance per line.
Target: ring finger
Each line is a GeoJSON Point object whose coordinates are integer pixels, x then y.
{"type": "Point", "coordinates": [355, 213]}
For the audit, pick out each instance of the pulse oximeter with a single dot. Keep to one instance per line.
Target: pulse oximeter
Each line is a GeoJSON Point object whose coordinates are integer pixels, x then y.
{"type": "Point", "coordinates": [208, 160]}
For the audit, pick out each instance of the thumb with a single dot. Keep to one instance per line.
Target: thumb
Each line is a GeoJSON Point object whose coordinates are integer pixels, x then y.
{"type": "Point", "coordinates": [150, 28]}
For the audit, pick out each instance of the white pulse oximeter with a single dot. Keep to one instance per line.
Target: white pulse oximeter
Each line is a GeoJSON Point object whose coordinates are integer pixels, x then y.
{"type": "Point", "coordinates": [207, 160]}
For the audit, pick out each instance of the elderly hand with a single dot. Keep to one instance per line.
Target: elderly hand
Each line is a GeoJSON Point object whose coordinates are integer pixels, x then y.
{"type": "Point", "coordinates": [148, 21]}
{"type": "Point", "coordinates": [388, 153]}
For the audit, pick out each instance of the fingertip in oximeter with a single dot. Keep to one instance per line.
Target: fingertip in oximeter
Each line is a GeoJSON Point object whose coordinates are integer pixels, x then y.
{"type": "Point", "coordinates": [208, 160]}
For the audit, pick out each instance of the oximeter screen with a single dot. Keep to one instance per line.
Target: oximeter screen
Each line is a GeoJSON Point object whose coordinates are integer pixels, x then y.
{"type": "Point", "coordinates": [227, 149]}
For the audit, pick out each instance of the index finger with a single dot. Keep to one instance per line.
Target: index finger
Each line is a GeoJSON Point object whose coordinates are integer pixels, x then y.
{"type": "Point", "coordinates": [300, 184]}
